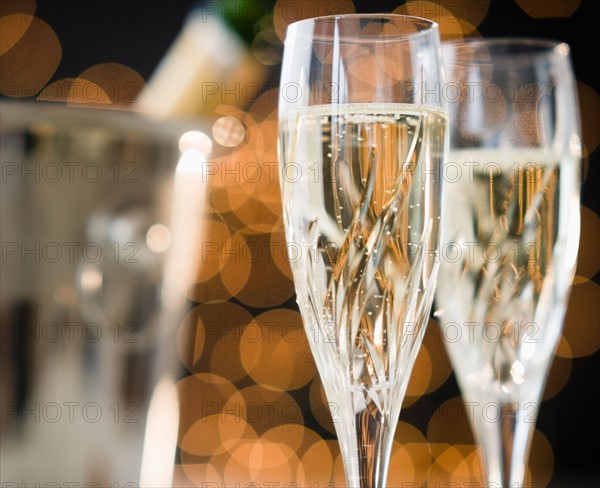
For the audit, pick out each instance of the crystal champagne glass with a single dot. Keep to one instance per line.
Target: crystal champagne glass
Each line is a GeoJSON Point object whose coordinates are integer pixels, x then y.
{"type": "Point", "coordinates": [362, 140]}
{"type": "Point", "coordinates": [510, 233]}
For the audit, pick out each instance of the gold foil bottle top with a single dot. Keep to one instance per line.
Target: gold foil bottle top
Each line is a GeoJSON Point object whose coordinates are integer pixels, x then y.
{"type": "Point", "coordinates": [208, 64]}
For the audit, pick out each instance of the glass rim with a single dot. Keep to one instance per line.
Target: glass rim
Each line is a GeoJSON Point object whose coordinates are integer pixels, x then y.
{"type": "Point", "coordinates": [119, 123]}
{"type": "Point", "coordinates": [539, 48]}
{"type": "Point", "coordinates": [428, 26]}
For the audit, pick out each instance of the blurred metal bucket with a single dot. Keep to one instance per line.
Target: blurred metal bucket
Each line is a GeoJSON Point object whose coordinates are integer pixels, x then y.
{"type": "Point", "coordinates": [86, 233]}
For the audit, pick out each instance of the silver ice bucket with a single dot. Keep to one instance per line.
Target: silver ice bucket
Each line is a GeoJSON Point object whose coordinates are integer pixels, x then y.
{"type": "Point", "coordinates": [87, 313]}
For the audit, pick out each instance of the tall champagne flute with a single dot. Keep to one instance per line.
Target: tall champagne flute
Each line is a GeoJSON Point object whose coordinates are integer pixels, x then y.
{"type": "Point", "coordinates": [510, 233]}
{"type": "Point", "coordinates": [362, 139]}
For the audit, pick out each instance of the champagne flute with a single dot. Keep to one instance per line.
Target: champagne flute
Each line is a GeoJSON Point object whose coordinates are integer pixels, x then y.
{"type": "Point", "coordinates": [362, 139]}
{"type": "Point", "coordinates": [510, 233]}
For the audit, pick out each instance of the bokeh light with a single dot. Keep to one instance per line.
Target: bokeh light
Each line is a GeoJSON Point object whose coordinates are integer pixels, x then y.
{"type": "Point", "coordinates": [252, 134]}
{"type": "Point", "coordinates": [158, 238]}
{"type": "Point", "coordinates": [211, 291]}
{"type": "Point", "coordinates": [402, 469]}
{"type": "Point", "coordinates": [447, 459]}
{"type": "Point", "coordinates": [266, 286]}
{"type": "Point", "coordinates": [317, 462]}
{"type": "Point", "coordinates": [225, 357]}
{"type": "Point", "coordinates": [581, 334]}
{"type": "Point", "coordinates": [291, 435]}
{"type": "Point", "coordinates": [549, 8]}
{"type": "Point", "coordinates": [267, 48]}
{"type": "Point", "coordinates": [13, 7]}
{"type": "Point", "coordinates": [339, 475]}
{"type": "Point", "coordinates": [264, 408]}
{"type": "Point", "coordinates": [121, 84]}
{"type": "Point", "coordinates": [275, 351]}
{"type": "Point", "coordinates": [210, 325]}
{"type": "Point", "coordinates": [244, 183]}
{"type": "Point", "coordinates": [230, 184]}
{"type": "Point", "coordinates": [29, 64]}
{"type": "Point", "coordinates": [235, 259]}
{"type": "Point", "coordinates": [15, 18]}
{"type": "Point", "coordinates": [215, 238]}
{"type": "Point", "coordinates": [255, 217]}
{"type": "Point", "coordinates": [214, 434]}
{"type": "Point", "coordinates": [440, 362]}
{"type": "Point", "coordinates": [75, 91]}
{"type": "Point", "coordinates": [228, 131]}
{"type": "Point", "coordinates": [287, 11]}
{"type": "Point", "coordinates": [457, 463]}
{"type": "Point", "coordinates": [282, 253]}
{"type": "Point", "coordinates": [472, 12]}
{"type": "Point", "coordinates": [450, 424]}
{"type": "Point", "coordinates": [558, 376]}
{"type": "Point", "coordinates": [264, 106]}
{"type": "Point", "coordinates": [410, 452]}
{"type": "Point", "coordinates": [202, 395]}
{"type": "Point", "coordinates": [269, 128]}
{"type": "Point", "coordinates": [419, 377]}
{"type": "Point", "coordinates": [589, 111]}
{"type": "Point", "coordinates": [457, 458]}
{"type": "Point", "coordinates": [541, 460]}
{"type": "Point", "coordinates": [319, 406]}
{"type": "Point", "coordinates": [263, 462]}
{"type": "Point", "coordinates": [450, 27]}
{"type": "Point", "coordinates": [193, 475]}
{"type": "Point", "coordinates": [261, 175]}
{"type": "Point", "coordinates": [470, 470]}
{"type": "Point", "coordinates": [239, 264]}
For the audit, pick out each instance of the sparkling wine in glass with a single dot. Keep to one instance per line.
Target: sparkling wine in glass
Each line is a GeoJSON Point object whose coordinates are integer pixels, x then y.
{"type": "Point", "coordinates": [362, 140]}
{"type": "Point", "coordinates": [510, 233]}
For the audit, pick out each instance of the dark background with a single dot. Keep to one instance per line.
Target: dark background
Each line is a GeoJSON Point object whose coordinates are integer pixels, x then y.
{"type": "Point", "coordinates": [138, 34]}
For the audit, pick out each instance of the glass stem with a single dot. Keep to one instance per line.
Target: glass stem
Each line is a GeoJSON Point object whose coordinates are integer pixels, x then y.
{"type": "Point", "coordinates": [366, 450]}
{"type": "Point", "coordinates": [505, 441]}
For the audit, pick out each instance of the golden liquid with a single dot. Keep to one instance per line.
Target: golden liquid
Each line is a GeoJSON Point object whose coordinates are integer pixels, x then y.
{"type": "Point", "coordinates": [361, 190]}
{"type": "Point", "coordinates": [507, 293]}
